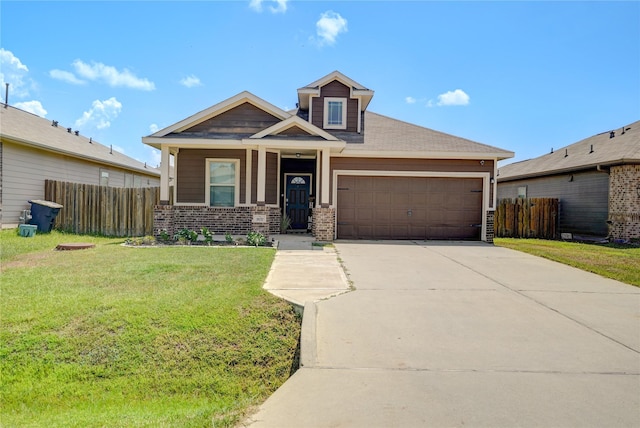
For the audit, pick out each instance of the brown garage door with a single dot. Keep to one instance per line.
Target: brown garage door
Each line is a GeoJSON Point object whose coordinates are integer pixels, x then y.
{"type": "Point", "coordinates": [409, 208]}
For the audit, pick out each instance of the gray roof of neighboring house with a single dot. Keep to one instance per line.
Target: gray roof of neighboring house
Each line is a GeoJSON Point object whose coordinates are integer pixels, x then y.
{"type": "Point", "coordinates": [598, 150]}
{"type": "Point", "coordinates": [32, 130]}
{"type": "Point", "coordinates": [382, 134]}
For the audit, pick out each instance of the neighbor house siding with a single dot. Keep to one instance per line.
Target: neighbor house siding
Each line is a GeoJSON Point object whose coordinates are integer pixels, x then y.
{"type": "Point", "coordinates": [391, 164]}
{"type": "Point", "coordinates": [583, 196]}
{"type": "Point", "coordinates": [191, 173]}
{"type": "Point", "coordinates": [24, 170]}
{"type": "Point", "coordinates": [244, 119]}
{"type": "Point", "coordinates": [335, 89]}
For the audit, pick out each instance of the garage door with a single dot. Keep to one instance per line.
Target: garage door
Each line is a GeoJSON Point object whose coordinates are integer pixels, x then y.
{"type": "Point", "coordinates": [409, 208]}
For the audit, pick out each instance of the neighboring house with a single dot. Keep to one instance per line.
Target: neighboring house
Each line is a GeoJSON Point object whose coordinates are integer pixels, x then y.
{"type": "Point", "coordinates": [597, 181]}
{"type": "Point", "coordinates": [331, 166]}
{"type": "Point", "coordinates": [34, 149]}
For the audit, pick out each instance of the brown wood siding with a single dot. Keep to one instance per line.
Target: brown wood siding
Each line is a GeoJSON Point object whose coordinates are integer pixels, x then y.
{"type": "Point", "coordinates": [191, 173]}
{"type": "Point", "coordinates": [271, 193]}
{"type": "Point", "coordinates": [389, 164]}
{"type": "Point", "coordinates": [294, 131]}
{"type": "Point", "coordinates": [584, 202]}
{"type": "Point", "coordinates": [409, 208]}
{"type": "Point", "coordinates": [335, 89]}
{"type": "Point", "coordinates": [244, 119]}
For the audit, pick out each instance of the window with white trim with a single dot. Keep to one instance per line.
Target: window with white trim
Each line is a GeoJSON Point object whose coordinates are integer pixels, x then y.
{"type": "Point", "coordinates": [223, 182]}
{"type": "Point", "coordinates": [335, 113]}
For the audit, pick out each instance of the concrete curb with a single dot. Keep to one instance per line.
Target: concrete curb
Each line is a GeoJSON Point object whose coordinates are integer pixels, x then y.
{"type": "Point", "coordinates": [308, 347]}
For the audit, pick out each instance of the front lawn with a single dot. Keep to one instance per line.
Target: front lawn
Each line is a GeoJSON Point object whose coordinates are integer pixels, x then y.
{"type": "Point", "coordinates": [611, 261]}
{"type": "Point", "coordinates": [118, 336]}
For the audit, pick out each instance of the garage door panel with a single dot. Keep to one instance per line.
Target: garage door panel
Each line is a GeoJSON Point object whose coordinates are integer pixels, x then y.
{"type": "Point", "coordinates": [440, 208]}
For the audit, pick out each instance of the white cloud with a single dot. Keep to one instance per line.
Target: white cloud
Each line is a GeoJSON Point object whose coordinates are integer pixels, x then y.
{"type": "Point", "coordinates": [453, 98]}
{"type": "Point", "coordinates": [153, 128]}
{"type": "Point", "coordinates": [13, 72]}
{"type": "Point", "coordinates": [66, 76]}
{"type": "Point", "coordinates": [155, 156]}
{"type": "Point", "coordinates": [329, 26]}
{"type": "Point", "coordinates": [112, 76]}
{"type": "Point", "coordinates": [280, 7]}
{"type": "Point", "coordinates": [100, 114]}
{"type": "Point", "coordinates": [190, 81]}
{"type": "Point", "coordinates": [410, 100]}
{"type": "Point", "coordinates": [34, 107]}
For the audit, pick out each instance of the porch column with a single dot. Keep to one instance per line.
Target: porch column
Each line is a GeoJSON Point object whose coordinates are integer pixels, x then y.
{"type": "Point", "coordinates": [326, 156]}
{"type": "Point", "coordinates": [164, 175]}
{"type": "Point", "coordinates": [262, 175]}
{"type": "Point", "coordinates": [249, 159]}
{"type": "Point", "coordinates": [318, 170]}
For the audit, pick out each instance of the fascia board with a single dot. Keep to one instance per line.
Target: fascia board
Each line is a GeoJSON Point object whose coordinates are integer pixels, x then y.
{"type": "Point", "coordinates": [158, 142]}
{"type": "Point", "coordinates": [298, 144]}
{"type": "Point", "coordinates": [424, 155]}
{"type": "Point", "coordinates": [220, 108]}
{"type": "Point", "coordinates": [294, 121]}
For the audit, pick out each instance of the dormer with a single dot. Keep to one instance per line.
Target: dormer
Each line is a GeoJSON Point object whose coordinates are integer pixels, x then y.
{"type": "Point", "coordinates": [334, 103]}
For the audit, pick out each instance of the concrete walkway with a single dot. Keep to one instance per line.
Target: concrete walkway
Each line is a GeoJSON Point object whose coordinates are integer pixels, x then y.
{"type": "Point", "coordinates": [464, 334]}
{"type": "Point", "coordinates": [303, 272]}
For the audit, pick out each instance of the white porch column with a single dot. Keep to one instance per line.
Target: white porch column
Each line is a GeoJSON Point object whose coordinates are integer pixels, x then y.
{"type": "Point", "coordinates": [164, 175]}
{"type": "Point", "coordinates": [318, 170]}
{"type": "Point", "coordinates": [262, 175]}
{"type": "Point", "coordinates": [249, 159]}
{"type": "Point", "coordinates": [326, 160]}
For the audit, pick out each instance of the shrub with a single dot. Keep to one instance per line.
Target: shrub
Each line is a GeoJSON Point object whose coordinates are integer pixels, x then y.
{"type": "Point", "coordinates": [256, 239]}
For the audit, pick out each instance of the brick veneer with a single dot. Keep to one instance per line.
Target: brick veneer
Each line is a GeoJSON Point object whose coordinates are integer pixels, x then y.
{"type": "Point", "coordinates": [624, 202]}
{"type": "Point", "coordinates": [490, 226]}
{"type": "Point", "coordinates": [236, 221]}
{"type": "Point", "coordinates": [323, 223]}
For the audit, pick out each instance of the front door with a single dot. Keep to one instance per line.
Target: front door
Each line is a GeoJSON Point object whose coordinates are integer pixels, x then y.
{"type": "Point", "coordinates": [297, 200]}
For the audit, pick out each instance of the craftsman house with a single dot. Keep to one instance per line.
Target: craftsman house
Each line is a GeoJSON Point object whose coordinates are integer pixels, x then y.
{"type": "Point", "coordinates": [597, 182]}
{"type": "Point", "coordinates": [34, 149]}
{"type": "Point", "coordinates": [332, 166]}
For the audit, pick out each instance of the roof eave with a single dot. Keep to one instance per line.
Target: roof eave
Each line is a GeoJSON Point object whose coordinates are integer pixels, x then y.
{"type": "Point", "coordinates": [20, 141]}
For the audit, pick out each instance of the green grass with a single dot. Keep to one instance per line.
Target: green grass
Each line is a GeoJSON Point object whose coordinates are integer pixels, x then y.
{"type": "Point", "coordinates": [117, 336]}
{"type": "Point", "coordinates": [611, 261]}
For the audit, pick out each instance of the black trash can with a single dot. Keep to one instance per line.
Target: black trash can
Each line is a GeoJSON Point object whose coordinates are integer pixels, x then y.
{"type": "Point", "coordinates": [43, 213]}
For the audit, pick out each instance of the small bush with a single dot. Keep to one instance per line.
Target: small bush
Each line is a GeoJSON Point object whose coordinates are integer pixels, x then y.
{"type": "Point", "coordinates": [256, 239]}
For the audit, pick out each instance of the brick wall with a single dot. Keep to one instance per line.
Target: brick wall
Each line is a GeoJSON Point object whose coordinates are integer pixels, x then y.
{"type": "Point", "coordinates": [624, 202]}
{"type": "Point", "coordinates": [323, 223]}
{"type": "Point", "coordinates": [236, 221]}
{"type": "Point", "coordinates": [490, 225]}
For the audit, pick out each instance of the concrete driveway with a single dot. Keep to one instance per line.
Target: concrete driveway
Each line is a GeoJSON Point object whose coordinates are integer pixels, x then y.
{"type": "Point", "coordinates": [464, 334]}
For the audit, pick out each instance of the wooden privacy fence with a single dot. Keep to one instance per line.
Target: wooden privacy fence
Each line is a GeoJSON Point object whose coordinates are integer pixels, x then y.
{"type": "Point", "coordinates": [109, 211]}
{"type": "Point", "coordinates": [527, 218]}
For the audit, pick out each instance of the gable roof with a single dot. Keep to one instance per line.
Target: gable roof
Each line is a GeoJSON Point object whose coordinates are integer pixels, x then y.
{"type": "Point", "coordinates": [295, 121]}
{"type": "Point", "coordinates": [598, 150]}
{"type": "Point", "coordinates": [21, 127]}
{"type": "Point", "coordinates": [394, 138]}
{"type": "Point", "coordinates": [221, 107]}
{"type": "Point", "coordinates": [357, 90]}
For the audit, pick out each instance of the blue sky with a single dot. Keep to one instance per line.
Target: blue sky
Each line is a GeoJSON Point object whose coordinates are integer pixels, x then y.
{"type": "Point", "coordinates": [522, 76]}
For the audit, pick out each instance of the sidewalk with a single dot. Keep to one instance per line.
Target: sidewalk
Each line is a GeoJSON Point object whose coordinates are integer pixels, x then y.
{"type": "Point", "coordinates": [303, 272]}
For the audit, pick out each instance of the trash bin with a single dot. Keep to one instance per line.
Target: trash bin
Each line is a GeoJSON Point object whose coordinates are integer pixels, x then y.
{"type": "Point", "coordinates": [43, 213]}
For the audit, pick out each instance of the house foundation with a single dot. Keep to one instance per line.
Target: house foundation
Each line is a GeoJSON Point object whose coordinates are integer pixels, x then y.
{"type": "Point", "coordinates": [624, 202]}
{"type": "Point", "coordinates": [236, 221]}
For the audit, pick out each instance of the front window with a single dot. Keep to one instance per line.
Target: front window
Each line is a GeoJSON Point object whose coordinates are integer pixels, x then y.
{"type": "Point", "coordinates": [222, 183]}
{"type": "Point", "coordinates": [335, 113]}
